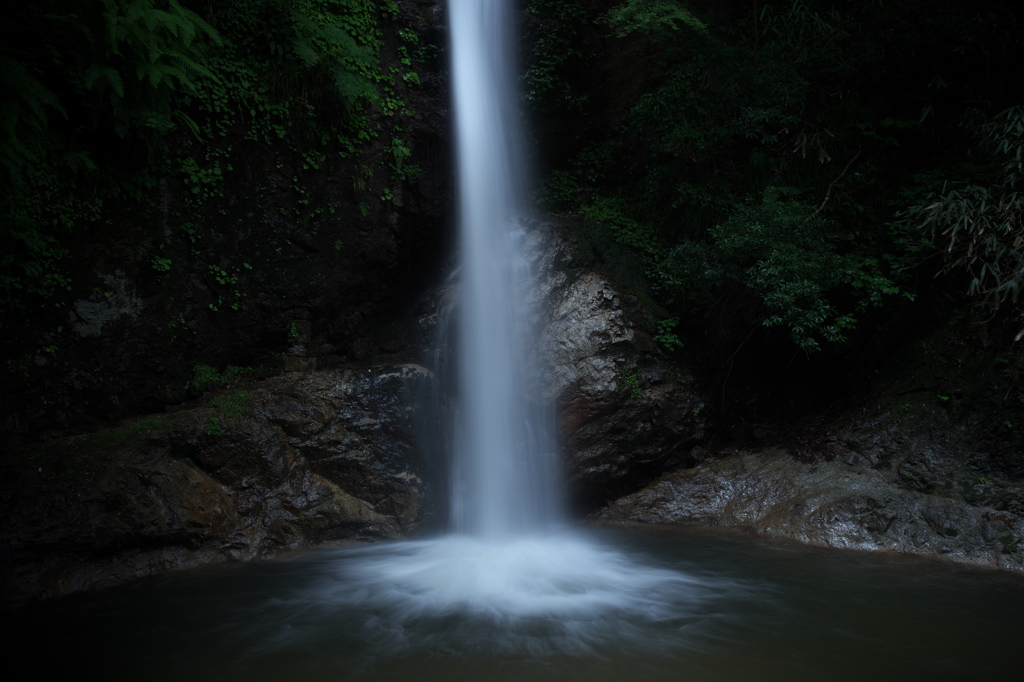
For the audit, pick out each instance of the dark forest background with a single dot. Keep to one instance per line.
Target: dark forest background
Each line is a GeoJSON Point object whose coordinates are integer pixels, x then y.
{"type": "Point", "coordinates": [803, 189]}
{"type": "Point", "coordinates": [793, 189]}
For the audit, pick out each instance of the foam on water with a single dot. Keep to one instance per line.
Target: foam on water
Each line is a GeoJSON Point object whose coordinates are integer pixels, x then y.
{"type": "Point", "coordinates": [460, 596]}
{"type": "Point", "coordinates": [557, 576]}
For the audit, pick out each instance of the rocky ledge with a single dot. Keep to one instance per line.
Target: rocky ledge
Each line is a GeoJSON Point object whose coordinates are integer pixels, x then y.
{"type": "Point", "coordinates": [288, 462]}
{"type": "Point", "coordinates": [859, 500]}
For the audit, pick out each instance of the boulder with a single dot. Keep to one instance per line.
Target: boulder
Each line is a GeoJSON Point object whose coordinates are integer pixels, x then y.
{"type": "Point", "coordinates": [625, 414]}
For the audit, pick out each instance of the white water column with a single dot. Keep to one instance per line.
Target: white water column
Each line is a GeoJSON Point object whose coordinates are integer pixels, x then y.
{"type": "Point", "coordinates": [504, 473]}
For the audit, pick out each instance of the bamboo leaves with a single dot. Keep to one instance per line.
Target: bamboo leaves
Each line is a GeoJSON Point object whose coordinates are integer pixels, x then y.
{"type": "Point", "coordinates": [983, 224]}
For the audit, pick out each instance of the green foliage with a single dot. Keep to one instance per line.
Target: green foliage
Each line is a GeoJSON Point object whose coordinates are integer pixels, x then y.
{"type": "Point", "coordinates": [109, 68]}
{"type": "Point", "coordinates": [982, 224]}
{"type": "Point", "coordinates": [215, 428]}
{"type": "Point", "coordinates": [98, 97]}
{"type": "Point", "coordinates": [204, 378]}
{"type": "Point", "coordinates": [780, 249]}
{"type": "Point", "coordinates": [633, 384]}
{"type": "Point", "coordinates": [552, 52]}
{"type": "Point", "coordinates": [651, 16]}
{"type": "Point", "coordinates": [143, 54]}
{"type": "Point", "coordinates": [322, 43]}
{"type": "Point", "coordinates": [31, 267]}
{"type": "Point", "coordinates": [666, 335]}
{"type": "Point", "coordinates": [612, 211]}
{"type": "Point", "coordinates": [841, 103]}
{"type": "Point", "coordinates": [23, 115]}
{"type": "Point", "coordinates": [400, 152]}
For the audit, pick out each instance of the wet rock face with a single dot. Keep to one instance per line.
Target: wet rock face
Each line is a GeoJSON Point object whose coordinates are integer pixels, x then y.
{"type": "Point", "coordinates": [625, 414]}
{"type": "Point", "coordinates": [293, 461]}
{"type": "Point", "coordinates": [837, 504]}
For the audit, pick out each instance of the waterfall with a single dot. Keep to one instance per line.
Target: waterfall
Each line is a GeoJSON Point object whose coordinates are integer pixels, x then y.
{"type": "Point", "coordinates": [512, 578]}
{"type": "Point", "coordinates": [504, 475]}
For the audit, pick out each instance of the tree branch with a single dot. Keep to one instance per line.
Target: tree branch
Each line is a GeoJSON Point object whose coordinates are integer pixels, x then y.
{"type": "Point", "coordinates": [828, 192]}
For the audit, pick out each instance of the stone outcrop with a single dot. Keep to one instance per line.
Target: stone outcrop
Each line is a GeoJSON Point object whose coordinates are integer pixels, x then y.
{"type": "Point", "coordinates": [888, 483]}
{"type": "Point", "coordinates": [288, 462]}
{"type": "Point", "coordinates": [625, 414]}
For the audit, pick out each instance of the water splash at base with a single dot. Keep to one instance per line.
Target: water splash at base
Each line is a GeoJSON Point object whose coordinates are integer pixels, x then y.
{"type": "Point", "coordinates": [533, 598]}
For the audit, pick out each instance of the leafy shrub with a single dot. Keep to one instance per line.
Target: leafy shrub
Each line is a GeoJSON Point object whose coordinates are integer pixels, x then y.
{"type": "Point", "coordinates": [651, 16]}
{"type": "Point", "coordinates": [780, 249]}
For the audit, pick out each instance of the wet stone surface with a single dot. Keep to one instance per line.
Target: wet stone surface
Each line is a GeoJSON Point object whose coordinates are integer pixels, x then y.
{"type": "Point", "coordinates": [288, 462]}
{"type": "Point", "coordinates": [624, 413]}
{"type": "Point", "coordinates": [835, 504]}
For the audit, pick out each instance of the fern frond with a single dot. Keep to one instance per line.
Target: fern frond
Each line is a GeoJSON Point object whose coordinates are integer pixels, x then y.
{"type": "Point", "coordinates": [190, 66]}
{"type": "Point", "coordinates": [195, 24]}
{"type": "Point", "coordinates": [305, 52]}
{"type": "Point", "coordinates": [80, 162]}
{"type": "Point", "coordinates": [13, 167]}
{"type": "Point", "coordinates": [28, 90]}
{"type": "Point", "coordinates": [189, 123]}
{"type": "Point", "coordinates": [108, 73]}
{"type": "Point", "coordinates": [352, 87]}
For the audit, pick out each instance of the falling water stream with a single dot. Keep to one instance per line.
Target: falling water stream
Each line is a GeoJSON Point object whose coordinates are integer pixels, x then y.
{"type": "Point", "coordinates": [504, 474]}
{"type": "Point", "coordinates": [512, 593]}
{"type": "Point", "coordinates": [509, 561]}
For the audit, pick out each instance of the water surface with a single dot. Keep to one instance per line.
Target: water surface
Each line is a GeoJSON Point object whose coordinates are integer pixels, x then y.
{"type": "Point", "coordinates": [654, 604]}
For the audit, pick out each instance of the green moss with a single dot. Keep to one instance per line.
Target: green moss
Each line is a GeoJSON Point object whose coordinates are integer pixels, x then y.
{"type": "Point", "coordinates": [119, 437]}
{"type": "Point", "coordinates": [207, 378]}
{"type": "Point", "coordinates": [232, 406]}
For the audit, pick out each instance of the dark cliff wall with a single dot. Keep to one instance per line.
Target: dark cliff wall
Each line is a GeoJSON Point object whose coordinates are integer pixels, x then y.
{"type": "Point", "coordinates": [290, 218]}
